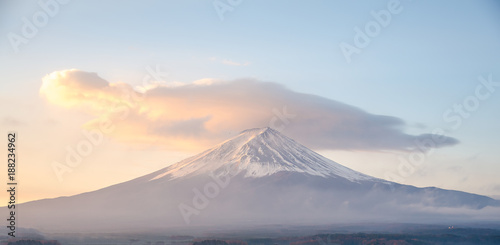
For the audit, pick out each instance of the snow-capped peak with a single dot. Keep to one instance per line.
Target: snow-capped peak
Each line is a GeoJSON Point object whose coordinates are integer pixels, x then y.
{"type": "Point", "coordinates": [259, 152]}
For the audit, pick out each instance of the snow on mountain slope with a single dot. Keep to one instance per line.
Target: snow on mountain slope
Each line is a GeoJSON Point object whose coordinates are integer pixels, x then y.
{"type": "Point", "coordinates": [260, 152]}
{"type": "Point", "coordinates": [269, 179]}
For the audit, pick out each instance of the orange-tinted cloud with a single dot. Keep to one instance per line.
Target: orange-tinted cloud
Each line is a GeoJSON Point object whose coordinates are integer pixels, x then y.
{"type": "Point", "coordinates": [197, 115]}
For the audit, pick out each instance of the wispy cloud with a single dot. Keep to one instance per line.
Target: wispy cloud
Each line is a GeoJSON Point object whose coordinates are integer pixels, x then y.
{"type": "Point", "coordinates": [229, 62]}
{"type": "Point", "coordinates": [199, 114]}
{"type": "Point", "coordinates": [234, 63]}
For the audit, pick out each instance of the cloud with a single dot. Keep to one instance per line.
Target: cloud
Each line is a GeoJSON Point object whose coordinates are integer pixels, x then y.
{"type": "Point", "coordinates": [74, 88]}
{"type": "Point", "coordinates": [200, 114]}
{"type": "Point", "coordinates": [496, 188]}
{"type": "Point", "coordinates": [230, 62]}
{"type": "Point", "coordinates": [234, 63]}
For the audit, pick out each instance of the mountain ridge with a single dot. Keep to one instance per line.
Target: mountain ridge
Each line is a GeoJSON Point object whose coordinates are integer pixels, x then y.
{"type": "Point", "coordinates": [269, 179]}
{"type": "Point", "coordinates": [261, 152]}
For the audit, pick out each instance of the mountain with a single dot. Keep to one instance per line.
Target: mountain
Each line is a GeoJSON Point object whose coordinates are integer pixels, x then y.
{"type": "Point", "coordinates": [259, 177]}
{"type": "Point", "coordinates": [257, 153]}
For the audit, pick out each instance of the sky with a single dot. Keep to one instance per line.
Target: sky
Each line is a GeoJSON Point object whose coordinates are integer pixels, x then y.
{"type": "Point", "coordinates": [403, 90]}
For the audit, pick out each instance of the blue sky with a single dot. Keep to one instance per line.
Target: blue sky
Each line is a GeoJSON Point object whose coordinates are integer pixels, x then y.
{"type": "Point", "coordinates": [426, 59]}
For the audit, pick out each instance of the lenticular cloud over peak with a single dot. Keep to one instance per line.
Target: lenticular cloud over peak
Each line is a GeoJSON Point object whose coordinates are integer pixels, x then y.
{"type": "Point", "coordinates": [196, 115]}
